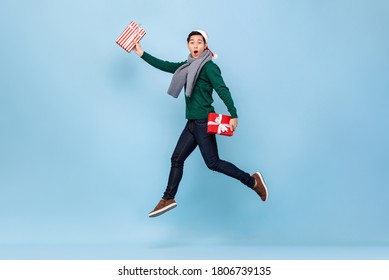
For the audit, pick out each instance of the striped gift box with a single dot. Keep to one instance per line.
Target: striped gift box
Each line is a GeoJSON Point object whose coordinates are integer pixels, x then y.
{"type": "Point", "coordinates": [130, 36]}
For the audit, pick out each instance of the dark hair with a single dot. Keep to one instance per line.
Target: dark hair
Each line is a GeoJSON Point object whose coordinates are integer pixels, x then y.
{"type": "Point", "coordinates": [195, 33]}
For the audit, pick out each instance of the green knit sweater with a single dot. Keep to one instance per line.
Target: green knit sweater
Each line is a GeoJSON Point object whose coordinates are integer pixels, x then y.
{"type": "Point", "coordinates": [199, 105]}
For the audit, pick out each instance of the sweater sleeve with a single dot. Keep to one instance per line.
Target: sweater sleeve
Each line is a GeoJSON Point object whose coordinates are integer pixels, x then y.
{"type": "Point", "coordinates": [221, 89]}
{"type": "Point", "coordinates": [166, 66]}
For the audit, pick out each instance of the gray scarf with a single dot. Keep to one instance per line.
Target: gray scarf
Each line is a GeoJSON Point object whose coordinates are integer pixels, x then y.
{"type": "Point", "coordinates": [187, 74]}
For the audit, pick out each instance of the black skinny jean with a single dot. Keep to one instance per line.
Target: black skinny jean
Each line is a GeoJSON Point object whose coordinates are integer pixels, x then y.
{"type": "Point", "coordinates": [195, 134]}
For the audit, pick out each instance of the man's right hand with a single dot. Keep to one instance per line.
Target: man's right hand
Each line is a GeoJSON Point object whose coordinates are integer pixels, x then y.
{"type": "Point", "coordinates": [138, 49]}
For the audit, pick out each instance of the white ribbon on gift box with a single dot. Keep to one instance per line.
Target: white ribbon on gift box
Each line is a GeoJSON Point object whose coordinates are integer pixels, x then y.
{"type": "Point", "coordinates": [221, 126]}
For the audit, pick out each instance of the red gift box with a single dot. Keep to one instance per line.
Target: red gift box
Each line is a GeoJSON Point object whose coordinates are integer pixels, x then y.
{"type": "Point", "coordinates": [219, 124]}
{"type": "Point", "coordinates": [130, 36]}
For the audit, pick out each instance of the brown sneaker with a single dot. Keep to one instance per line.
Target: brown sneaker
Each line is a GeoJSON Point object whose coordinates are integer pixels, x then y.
{"type": "Point", "coordinates": [162, 207]}
{"type": "Point", "coordinates": [260, 187]}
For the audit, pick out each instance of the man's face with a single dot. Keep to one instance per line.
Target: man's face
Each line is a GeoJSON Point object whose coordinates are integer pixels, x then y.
{"type": "Point", "coordinates": [196, 45]}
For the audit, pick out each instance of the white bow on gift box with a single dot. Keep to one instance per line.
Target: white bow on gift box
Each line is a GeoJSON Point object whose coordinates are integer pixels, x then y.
{"type": "Point", "coordinates": [222, 127]}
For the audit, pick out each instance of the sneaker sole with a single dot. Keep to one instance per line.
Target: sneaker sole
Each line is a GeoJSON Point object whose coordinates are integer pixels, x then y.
{"type": "Point", "coordinates": [264, 185]}
{"type": "Point", "coordinates": [162, 210]}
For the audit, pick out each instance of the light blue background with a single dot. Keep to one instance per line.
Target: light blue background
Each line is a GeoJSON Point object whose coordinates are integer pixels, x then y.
{"type": "Point", "coordinates": [87, 131]}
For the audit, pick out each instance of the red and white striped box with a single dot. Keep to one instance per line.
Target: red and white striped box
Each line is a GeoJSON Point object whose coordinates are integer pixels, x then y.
{"type": "Point", "coordinates": [130, 36]}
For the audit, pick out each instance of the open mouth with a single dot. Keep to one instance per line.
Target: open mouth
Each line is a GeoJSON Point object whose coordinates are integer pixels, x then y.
{"type": "Point", "coordinates": [195, 52]}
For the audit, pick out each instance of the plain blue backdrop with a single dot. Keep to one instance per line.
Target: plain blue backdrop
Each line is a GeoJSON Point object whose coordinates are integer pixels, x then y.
{"type": "Point", "coordinates": [87, 130]}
